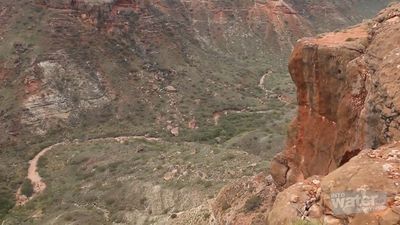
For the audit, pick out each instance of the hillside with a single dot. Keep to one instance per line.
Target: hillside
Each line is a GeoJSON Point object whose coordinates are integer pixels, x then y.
{"type": "Point", "coordinates": [143, 63]}
{"type": "Point", "coordinates": [204, 72]}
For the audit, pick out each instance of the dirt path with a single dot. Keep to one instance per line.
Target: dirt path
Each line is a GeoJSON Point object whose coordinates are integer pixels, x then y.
{"type": "Point", "coordinates": [217, 115]}
{"type": "Point", "coordinates": [261, 83]}
{"type": "Point", "coordinates": [33, 174]}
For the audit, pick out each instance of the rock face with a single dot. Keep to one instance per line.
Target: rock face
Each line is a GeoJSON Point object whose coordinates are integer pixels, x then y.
{"type": "Point", "coordinates": [56, 93]}
{"type": "Point", "coordinates": [372, 171]}
{"type": "Point", "coordinates": [151, 55]}
{"type": "Point", "coordinates": [247, 201]}
{"type": "Point", "coordinates": [247, 27]}
{"type": "Point", "coordinates": [344, 143]}
{"type": "Point", "coordinates": [347, 83]}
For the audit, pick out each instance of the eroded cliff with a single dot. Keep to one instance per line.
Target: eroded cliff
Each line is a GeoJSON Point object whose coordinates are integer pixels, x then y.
{"type": "Point", "coordinates": [347, 83]}
{"type": "Point", "coordinates": [83, 69]}
{"type": "Point", "coordinates": [152, 45]}
{"type": "Point", "coordinates": [348, 108]}
{"type": "Point", "coordinates": [344, 140]}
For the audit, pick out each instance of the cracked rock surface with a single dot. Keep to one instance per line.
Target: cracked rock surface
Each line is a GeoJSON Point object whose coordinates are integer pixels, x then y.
{"type": "Point", "coordinates": [370, 171]}
{"type": "Point", "coordinates": [348, 98]}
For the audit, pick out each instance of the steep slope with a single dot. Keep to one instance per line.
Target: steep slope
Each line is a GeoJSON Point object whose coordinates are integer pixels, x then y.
{"type": "Point", "coordinates": [90, 68]}
{"type": "Point", "coordinates": [347, 85]}
{"type": "Point", "coordinates": [346, 129]}
{"type": "Point", "coordinates": [215, 50]}
{"type": "Point", "coordinates": [344, 143]}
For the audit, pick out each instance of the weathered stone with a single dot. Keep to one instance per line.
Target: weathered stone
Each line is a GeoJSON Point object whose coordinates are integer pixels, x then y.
{"type": "Point", "coordinates": [229, 207]}
{"type": "Point", "coordinates": [362, 173]}
{"type": "Point", "coordinates": [315, 211]}
{"type": "Point", "coordinates": [58, 93]}
{"type": "Point", "coordinates": [294, 199]}
{"type": "Point", "coordinates": [170, 89]}
{"type": "Point", "coordinates": [330, 220]}
{"type": "Point", "coordinates": [175, 131]}
{"type": "Point", "coordinates": [340, 78]}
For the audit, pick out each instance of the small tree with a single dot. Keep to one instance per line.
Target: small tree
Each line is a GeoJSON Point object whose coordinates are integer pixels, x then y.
{"type": "Point", "coordinates": [27, 188]}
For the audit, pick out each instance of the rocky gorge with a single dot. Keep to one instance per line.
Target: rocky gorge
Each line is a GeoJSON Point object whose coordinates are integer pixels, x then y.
{"type": "Point", "coordinates": [208, 80]}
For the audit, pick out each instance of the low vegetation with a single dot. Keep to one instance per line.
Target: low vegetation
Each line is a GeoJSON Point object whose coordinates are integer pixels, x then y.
{"type": "Point", "coordinates": [132, 179]}
{"type": "Point", "coordinates": [252, 203]}
{"type": "Point", "coordinates": [27, 188]}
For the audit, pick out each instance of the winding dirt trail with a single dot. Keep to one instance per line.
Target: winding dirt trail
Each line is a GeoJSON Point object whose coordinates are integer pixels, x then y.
{"type": "Point", "coordinates": [33, 174]}
{"type": "Point", "coordinates": [261, 83]}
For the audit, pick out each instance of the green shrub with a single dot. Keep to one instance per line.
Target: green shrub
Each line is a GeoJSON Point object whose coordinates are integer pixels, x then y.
{"type": "Point", "coordinates": [27, 188]}
{"type": "Point", "coordinates": [252, 203]}
{"type": "Point", "coordinates": [228, 157]}
{"type": "Point", "coordinates": [79, 159]}
{"type": "Point", "coordinates": [118, 217]}
{"type": "Point", "coordinates": [6, 202]}
{"type": "Point", "coordinates": [42, 162]}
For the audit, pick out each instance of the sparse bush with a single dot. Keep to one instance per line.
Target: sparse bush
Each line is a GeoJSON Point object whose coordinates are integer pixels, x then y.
{"type": "Point", "coordinates": [90, 197]}
{"type": "Point", "coordinates": [252, 203]}
{"type": "Point", "coordinates": [27, 188]}
{"type": "Point", "coordinates": [228, 157]}
{"type": "Point", "coordinates": [6, 202]}
{"type": "Point", "coordinates": [110, 200]}
{"type": "Point", "coordinates": [114, 166]}
{"type": "Point", "coordinates": [79, 160]}
{"type": "Point", "coordinates": [225, 206]}
{"type": "Point", "coordinates": [42, 162]}
{"type": "Point", "coordinates": [118, 217]}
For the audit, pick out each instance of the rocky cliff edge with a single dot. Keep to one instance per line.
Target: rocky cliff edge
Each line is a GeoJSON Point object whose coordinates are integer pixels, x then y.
{"type": "Point", "coordinates": [344, 140]}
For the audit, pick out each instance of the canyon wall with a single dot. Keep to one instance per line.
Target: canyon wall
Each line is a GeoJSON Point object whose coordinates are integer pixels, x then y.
{"type": "Point", "coordinates": [251, 28]}
{"type": "Point", "coordinates": [220, 48]}
{"type": "Point", "coordinates": [347, 86]}
{"type": "Point", "coordinates": [345, 138]}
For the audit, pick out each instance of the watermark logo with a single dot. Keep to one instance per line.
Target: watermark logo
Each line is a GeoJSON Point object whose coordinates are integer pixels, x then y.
{"type": "Point", "coordinates": [352, 202]}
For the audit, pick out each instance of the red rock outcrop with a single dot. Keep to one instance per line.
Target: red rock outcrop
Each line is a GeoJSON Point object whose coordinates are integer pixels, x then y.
{"type": "Point", "coordinates": [345, 139]}
{"type": "Point", "coordinates": [152, 36]}
{"type": "Point", "coordinates": [372, 171]}
{"type": "Point", "coordinates": [247, 201]}
{"type": "Point", "coordinates": [347, 83]}
{"type": "Point", "coordinates": [243, 27]}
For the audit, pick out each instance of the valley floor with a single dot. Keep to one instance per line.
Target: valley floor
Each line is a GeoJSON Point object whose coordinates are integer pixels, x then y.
{"type": "Point", "coordinates": [129, 180]}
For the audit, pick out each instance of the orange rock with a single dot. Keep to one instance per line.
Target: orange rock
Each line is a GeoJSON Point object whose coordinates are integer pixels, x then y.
{"type": "Point", "coordinates": [341, 92]}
